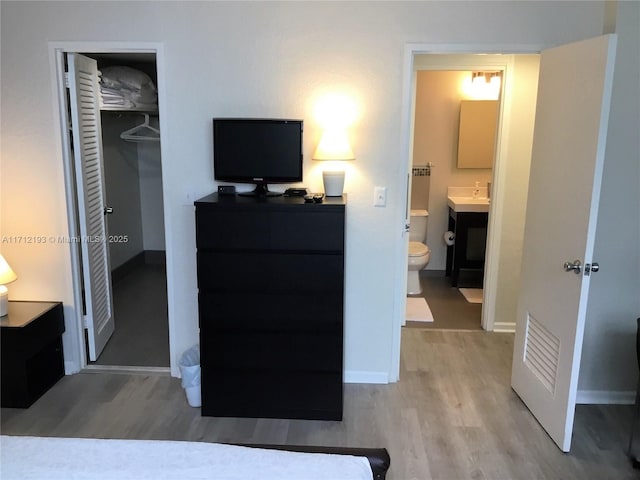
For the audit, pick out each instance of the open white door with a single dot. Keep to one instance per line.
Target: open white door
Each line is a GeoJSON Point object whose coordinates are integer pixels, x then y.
{"type": "Point", "coordinates": [572, 113]}
{"type": "Point", "coordinates": [87, 151]}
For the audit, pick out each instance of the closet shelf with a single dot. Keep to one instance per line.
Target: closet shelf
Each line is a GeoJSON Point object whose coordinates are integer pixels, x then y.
{"type": "Point", "coordinates": [115, 108]}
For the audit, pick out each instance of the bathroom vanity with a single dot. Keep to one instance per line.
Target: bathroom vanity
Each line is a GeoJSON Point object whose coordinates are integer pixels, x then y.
{"type": "Point", "coordinates": [270, 296]}
{"type": "Point", "coordinates": [468, 219]}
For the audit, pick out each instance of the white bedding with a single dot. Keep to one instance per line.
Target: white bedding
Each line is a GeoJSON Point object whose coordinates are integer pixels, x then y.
{"type": "Point", "coordinates": [39, 458]}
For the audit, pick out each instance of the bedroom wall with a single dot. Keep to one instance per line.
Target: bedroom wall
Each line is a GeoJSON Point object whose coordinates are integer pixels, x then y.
{"type": "Point", "coordinates": [235, 58]}
{"type": "Point", "coordinates": [609, 367]}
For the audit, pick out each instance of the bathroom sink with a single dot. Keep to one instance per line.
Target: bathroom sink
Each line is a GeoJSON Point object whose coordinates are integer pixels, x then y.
{"type": "Point", "coordinates": [468, 204]}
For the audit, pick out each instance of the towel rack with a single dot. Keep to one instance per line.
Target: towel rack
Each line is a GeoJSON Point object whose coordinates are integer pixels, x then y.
{"type": "Point", "coordinates": [142, 133]}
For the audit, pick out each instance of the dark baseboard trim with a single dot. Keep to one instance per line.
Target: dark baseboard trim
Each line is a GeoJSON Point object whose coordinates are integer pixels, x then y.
{"type": "Point", "coordinates": [155, 257]}
{"type": "Point", "coordinates": [146, 257]}
{"type": "Point", "coordinates": [432, 273]}
{"type": "Point", "coordinates": [127, 267]}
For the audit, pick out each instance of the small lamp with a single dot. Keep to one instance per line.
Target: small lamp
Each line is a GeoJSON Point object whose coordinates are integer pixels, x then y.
{"type": "Point", "coordinates": [7, 275]}
{"type": "Point", "coordinates": [333, 146]}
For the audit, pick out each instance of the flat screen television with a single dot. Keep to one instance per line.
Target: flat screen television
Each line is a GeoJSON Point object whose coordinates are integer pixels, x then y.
{"type": "Point", "coordinates": [257, 150]}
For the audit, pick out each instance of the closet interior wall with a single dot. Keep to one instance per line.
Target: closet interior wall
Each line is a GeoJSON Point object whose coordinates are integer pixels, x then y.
{"type": "Point", "coordinates": [133, 179]}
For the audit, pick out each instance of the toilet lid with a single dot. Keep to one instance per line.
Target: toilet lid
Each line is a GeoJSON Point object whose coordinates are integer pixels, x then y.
{"type": "Point", "coordinates": [417, 249]}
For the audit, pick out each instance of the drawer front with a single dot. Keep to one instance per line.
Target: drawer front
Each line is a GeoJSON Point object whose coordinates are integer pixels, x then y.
{"type": "Point", "coordinates": [24, 380]}
{"type": "Point", "coordinates": [271, 312]}
{"type": "Point", "coordinates": [269, 273]}
{"type": "Point", "coordinates": [270, 230]}
{"type": "Point", "coordinates": [232, 350]}
{"type": "Point", "coordinates": [272, 394]}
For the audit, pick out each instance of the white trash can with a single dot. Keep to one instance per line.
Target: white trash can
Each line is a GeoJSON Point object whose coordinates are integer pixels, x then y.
{"type": "Point", "coordinates": [190, 371]}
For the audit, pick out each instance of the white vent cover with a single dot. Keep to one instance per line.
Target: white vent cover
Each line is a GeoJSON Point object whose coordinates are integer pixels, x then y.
{"type": "Point", "coordinates": [541, 353]}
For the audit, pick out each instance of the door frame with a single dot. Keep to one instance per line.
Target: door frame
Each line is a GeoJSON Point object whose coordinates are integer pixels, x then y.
{"type": "Point", "coordinates": [77, 355]}
{"type": "Point", "coordinates": [411, 50]}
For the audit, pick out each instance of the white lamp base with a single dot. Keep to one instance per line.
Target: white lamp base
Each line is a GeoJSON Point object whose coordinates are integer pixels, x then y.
{"type": "Point", "coordinates": [333, 183]}
{"type": "Point", "coordinates": [4, 300]}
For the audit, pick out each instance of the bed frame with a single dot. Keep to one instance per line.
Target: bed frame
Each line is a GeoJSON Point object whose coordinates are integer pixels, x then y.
{"type": "Point", "coordinates": [379, 458]}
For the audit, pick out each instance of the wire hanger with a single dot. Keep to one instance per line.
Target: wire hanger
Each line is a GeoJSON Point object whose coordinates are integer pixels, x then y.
{"type": "Point", "coordinates": [142, 133]}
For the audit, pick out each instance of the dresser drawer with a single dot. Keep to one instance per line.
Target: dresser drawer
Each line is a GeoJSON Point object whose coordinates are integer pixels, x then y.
{"type": "Point", "coordinates": [269, 273]}
{"type": "Point", "coordinates": [272, 394]}
{"type": "Point", "coordinates": [241, 350]}
{"type": "Point", "coordinates": [269, 230]}
{"type": "Point", "coordinates": [264, 312]}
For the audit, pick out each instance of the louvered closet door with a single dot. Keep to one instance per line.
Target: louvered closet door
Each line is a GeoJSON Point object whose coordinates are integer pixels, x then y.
{"type": "Point", "coordinates": [87, 150]}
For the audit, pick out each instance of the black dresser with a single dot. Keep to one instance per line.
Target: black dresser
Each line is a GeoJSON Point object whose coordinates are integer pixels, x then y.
{"type": "Point", "coordinates": [271, 294]}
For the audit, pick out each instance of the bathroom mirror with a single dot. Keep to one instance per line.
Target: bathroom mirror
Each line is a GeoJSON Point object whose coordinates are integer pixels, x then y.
{"type": "Point", "coordinates": [477, 134]}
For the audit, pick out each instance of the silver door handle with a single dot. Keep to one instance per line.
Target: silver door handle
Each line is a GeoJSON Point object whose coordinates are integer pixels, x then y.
{"type": "Point", "coordinates": [575, 266]}
{"type": "Point", "coordinates": [108, 210]}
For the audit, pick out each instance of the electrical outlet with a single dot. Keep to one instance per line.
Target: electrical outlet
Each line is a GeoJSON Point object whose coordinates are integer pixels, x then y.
{"type": "Point", "coordinates": [380, 196]}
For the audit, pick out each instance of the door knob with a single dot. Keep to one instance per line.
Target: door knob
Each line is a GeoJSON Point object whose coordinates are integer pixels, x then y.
{"type": "Point", "coordinates": [108, 210]}
{"type": "Point", "coordinates": [575, 266]}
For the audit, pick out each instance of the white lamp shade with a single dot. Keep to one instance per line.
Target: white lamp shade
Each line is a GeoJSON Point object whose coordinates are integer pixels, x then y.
{"type": "Point", "coordinates": [7, 275]}
{"type": "Point", "coordinates": [334, 145]}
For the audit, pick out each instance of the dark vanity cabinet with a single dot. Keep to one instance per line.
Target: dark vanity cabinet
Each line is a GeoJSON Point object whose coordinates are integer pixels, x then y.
{"type": "Point", "coordinates": [468, 251]}
{"type": "Point", "coordinates": [270, 294]}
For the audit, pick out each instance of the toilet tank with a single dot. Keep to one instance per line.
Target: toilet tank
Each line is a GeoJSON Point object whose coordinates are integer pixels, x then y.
{"type": "Point", "coordinates": [418, 226]}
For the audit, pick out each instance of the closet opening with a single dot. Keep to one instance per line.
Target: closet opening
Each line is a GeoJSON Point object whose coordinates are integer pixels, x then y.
{"type": "Point", "coordinates": [130, 330]}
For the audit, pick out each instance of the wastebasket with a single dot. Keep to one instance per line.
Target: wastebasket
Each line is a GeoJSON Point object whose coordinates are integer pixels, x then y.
{"type": "Point", "coordinates": [190, 371]}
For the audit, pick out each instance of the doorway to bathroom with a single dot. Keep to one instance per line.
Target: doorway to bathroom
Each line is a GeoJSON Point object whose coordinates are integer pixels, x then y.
{"type": "Point", "coordinates": [484, 295]}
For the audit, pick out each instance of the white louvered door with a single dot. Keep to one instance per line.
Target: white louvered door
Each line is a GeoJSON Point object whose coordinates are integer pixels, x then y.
{"type": "Point", "coordinates": [87, 150]}
{"type": "Point", "coordinates": [572, 112]}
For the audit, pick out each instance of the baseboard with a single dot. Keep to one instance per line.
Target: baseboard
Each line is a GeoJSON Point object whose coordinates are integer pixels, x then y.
{"type": "Point", "coordinates": [127, 267]}
{"type": "Point", "coordinates": [432, 273]}
{"type": "Point", "coordinates": [354, 376]}
{"type": "Point", "coordinates": [155, 257]}
{"type": "Point", "coordinates": [606, 397]}
{"type": "Point", "coordinates": [504, 327]}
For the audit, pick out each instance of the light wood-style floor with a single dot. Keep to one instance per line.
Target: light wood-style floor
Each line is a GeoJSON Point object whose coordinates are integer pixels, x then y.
{"type": "Point", "coordinates": [451, 416]}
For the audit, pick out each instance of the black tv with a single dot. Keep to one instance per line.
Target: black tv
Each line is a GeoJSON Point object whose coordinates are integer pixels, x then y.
{"type": "Point", "coordinates": [257, 150]}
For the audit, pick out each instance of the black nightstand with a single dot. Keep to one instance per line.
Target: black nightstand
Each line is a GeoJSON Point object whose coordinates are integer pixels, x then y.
{"type": "Point", "coordinates": [32, 356]}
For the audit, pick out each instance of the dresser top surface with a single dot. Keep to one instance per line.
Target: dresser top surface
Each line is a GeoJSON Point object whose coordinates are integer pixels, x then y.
{"type": "Point", "coordinates": [22, 313]}
{"type": "Point", "coordinates": [237, 200]}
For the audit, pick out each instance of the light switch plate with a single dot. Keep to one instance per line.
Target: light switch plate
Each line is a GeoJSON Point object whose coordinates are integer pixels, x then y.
{"type": "Point", "coordinates": [380, 196]}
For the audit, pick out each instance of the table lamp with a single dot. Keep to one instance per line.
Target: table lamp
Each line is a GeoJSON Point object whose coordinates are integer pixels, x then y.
{"type": "Point", "coordinates": [7, 275]}
{"type": "Point", "coordinates": [333, 146]}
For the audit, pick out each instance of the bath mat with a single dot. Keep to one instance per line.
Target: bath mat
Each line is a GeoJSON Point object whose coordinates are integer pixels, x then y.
{"type": "Point", "coordinates": [418, 310]}
{"type": "Point", "coordinates": [473, 295]}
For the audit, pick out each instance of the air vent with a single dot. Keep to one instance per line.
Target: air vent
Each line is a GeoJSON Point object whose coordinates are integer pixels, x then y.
{"type": "Point", "coordinates": [541, 353]}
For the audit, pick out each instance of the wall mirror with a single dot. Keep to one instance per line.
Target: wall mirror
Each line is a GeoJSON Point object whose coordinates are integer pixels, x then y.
{"type": "Point", "coordinates": [477, 133]}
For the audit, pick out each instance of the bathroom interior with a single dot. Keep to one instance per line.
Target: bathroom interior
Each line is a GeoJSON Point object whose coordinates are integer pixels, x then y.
{"type": "Point", "coordinates": [454, 137]}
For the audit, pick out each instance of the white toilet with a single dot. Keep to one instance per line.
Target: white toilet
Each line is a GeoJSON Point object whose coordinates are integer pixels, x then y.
{"type": "Point", "coordinates": [419, 252]}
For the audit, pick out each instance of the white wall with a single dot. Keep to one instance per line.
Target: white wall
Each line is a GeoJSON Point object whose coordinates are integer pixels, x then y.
{"type": "Point", "coordinates": [234, 58]}
{"type": "Point", "coordinates": [151, 204]}
{"type": "Point", "coordinates": [122, 187]}
{"type": "Point", "coordinates": [609, 371]}
{"type": "Point", "coordinates": [518, 140]}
